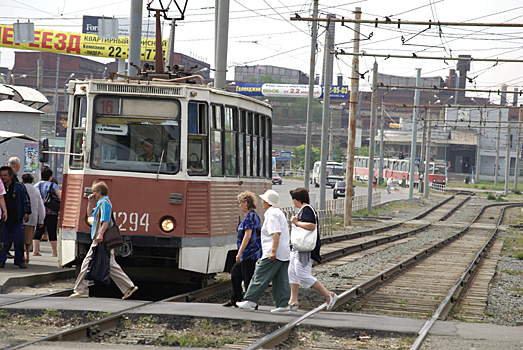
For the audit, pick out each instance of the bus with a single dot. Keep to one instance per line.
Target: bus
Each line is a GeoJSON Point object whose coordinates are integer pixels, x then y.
{"type": "Point", "coordinates": [335, 172]}
{"type": "Point", "coordinates": [176, 206]}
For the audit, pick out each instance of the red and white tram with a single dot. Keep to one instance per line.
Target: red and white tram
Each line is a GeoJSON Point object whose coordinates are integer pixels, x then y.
{"type": "Point", "coordinates": [398, 169]}
{"type": "Point", "coordinates": [178, 211]}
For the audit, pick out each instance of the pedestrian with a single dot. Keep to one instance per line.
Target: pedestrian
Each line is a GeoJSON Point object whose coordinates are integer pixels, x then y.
{"type": "Point", "coordinates": [14, 163]}
{"type": "Point", "coordinates": [45, 236]}
{"type": "Point", "coordinates": [102, 219]}
{"type": "Point", "coordinates": [389, 184]}
{"type": "Point", "coordinates": [300, 265]}
{"type": "Point", "coordinates": [3, 208]}
{"type": "Point", "coordinates": [51, 216]}
{"type": "Point", "coordinates": [18, 211]}
{"type": "Point", "coordinates": [37, 213]}
{"type": "Point", "coordinates": [274, 262]}
{"type": "Point", "coordinates": [375, 184]}
{"type": "Point", "coordinates": [249, 247]}
{"type": "Point", "coordinates": [403, 182]}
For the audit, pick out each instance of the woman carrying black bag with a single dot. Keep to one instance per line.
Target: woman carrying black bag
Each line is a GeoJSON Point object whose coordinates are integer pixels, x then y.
{"type": "Point", "coordinates": [102, 220]}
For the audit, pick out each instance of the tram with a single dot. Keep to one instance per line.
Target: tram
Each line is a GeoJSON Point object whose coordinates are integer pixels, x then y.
{"type": "Point", "coordinates": [176, 205]}
{"type": "Point", "coordinates": [398, 169]}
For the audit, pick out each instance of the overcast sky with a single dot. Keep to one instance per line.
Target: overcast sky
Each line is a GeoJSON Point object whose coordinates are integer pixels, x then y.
{"type": "Point", "coordinates": [261, 33]}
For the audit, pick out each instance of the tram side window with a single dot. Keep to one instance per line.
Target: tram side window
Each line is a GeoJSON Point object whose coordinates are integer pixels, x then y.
{"type": "Point", "coordinates": [231, 131]}
{"type": "Point", "coordinates": [78, 131]}
{"type": "Point", "coordinates": [268, 148]}
{"type": "Point", "coordinates": [197, 139]}
{"type": "Point", "coordinates": [216, 141]}
{"type": "Point", "coordinates": [241, 142]}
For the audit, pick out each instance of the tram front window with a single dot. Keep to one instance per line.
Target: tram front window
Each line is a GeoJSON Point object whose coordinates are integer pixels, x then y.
{"type": "Point", "coordinates": [136, 145]}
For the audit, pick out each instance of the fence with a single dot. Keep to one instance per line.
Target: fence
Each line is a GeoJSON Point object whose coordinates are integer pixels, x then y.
{"type": "Point", "coordinates": [334, 207]}
{"type": "Point", "coordinates": [438, 187]}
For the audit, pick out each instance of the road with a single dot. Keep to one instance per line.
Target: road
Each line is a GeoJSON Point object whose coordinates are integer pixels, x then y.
{"type": "Point", "coordinates": [288, 184]}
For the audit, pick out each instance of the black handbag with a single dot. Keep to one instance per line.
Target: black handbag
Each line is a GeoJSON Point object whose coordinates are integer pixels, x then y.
{"type": "Point", "coordinates": [51, 200]}
{"type": "Point", "coordinates": [99, 266]}
{"type": "Point", "coordinates": [112, 237]}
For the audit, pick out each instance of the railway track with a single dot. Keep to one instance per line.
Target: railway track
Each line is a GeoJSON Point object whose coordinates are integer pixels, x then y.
{"type": "Point", "coordinates": [470, 242]}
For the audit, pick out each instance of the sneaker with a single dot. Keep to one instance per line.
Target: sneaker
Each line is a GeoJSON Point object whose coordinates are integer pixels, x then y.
{"type": "Point", "coordinates": [247, 305]}
{"type": "Point", "coordinates": [130, 292]}
{"type": "Point", "coordinates": [281, 310]}
{"type": "Point", "coordinates": [22, 265]}
{"type": "Point", "coordinates": [79, 295]}
{"type": "Point", "coordinates": [332, 301]}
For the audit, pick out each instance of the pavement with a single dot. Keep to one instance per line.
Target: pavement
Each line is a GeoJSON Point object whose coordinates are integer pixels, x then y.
{"type": "Point", "coordinates": [40, 269]}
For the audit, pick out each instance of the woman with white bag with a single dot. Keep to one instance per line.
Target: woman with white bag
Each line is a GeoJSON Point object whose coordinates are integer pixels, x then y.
{"type": "Point", "coordinates": [304, 226]}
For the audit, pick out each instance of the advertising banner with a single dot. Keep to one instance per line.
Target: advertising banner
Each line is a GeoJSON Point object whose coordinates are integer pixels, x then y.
{"type": "Point", "coordinates": [290, 90]}
{"type": "Point", "coordinates": [79, 44]}
{"type": "Point", "coordinates": [30, 157]}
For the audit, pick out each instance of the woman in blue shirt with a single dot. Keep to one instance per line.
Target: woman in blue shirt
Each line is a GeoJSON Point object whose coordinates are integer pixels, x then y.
{"type": "Point", "coordinates": [249, 247]}
{"type": "Point", "coordinates": [102, 220]}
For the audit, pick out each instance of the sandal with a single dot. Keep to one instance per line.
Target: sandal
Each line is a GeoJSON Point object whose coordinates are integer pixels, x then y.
{"type": "Point", "coordinates": [332, 300]}
{"type": "Point", "coordinates": [294, 306]}
{"type": "Point", "coordinates": [37, 254]}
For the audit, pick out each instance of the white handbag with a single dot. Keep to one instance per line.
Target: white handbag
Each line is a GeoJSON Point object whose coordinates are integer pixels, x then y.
{"type": "Point", "coordinates": [304, 240]}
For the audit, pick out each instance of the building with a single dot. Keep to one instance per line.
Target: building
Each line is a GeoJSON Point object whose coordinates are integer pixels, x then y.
{"type": "Point", "coordinates": [254, 74]}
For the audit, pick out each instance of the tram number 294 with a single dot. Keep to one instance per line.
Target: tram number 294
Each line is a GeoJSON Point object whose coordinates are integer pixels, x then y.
{"type": "Point", "coordinates": [132, 221]}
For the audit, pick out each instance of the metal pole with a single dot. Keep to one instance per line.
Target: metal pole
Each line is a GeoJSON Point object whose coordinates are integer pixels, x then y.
{"type": "Point", "coordinates": [424, 158]}
{"type": "Point", "coordinates": [507, 162]}
{"type": "Point", "coordinates": [414, 134]}
{"type": "Point", "coordinates": [355, 76]}
{"type": "Point", "coordinates": [478, 157]}
{"type": "Point", "coordinates": [516, 171]}
{"type": "Point", "coordinates": [220, 75]}
{"type": "Point", "coordinates": [308, 138]}
{"type": "Point", "coordinates": [382, 146]}
{"type": "Point", "coordinates": [135, 37]}
{"type": "Point", "coordinates": [331, 138]}
{"type": "Point", "coordinates": [372, 135]}
{"type": "Point", "coordinates": [170, 49]}
{"type": "Point", "coordinates": [426, 177]}
{"type": "Point", "coordinates": [497, 150]}
{"type": "Point", "coordinates": [329, 41]}
{"type": "Point", "coordinates": [40, 74]}
{"type": "Point", "coordinates": [56, 86]}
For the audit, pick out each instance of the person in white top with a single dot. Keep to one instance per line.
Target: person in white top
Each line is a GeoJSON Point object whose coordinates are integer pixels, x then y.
{"type": "Point", "coordinates": [37, 213]}
{"type": "Point", "coordinates": [274, 262]}
{"type": "Point", "coordinates": [389, 184]}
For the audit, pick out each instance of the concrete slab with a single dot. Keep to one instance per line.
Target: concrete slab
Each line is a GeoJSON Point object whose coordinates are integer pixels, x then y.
{"type": "Point", "coordinates": [40, 269]}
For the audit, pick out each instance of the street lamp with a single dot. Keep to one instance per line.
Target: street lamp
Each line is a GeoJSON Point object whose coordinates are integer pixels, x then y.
{"type": "Point", "coordinates": [13, 78]}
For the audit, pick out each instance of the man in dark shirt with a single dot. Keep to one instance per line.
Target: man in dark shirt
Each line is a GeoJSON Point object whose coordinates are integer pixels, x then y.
{"type": "Point", "coordinates": [18, 211]}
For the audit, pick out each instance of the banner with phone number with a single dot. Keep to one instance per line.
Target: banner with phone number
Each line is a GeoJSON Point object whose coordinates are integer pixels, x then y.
{"type": "Point", "coordinates": [79, 44]}
{"type": "Point", "coordinates": [290, 90]}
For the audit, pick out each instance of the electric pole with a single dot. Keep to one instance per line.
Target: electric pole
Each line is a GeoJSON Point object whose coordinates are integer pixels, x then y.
{"type": "Point", "coordinates": [413, 143]}
{"type": "Point", "coordinates": [372, 135]}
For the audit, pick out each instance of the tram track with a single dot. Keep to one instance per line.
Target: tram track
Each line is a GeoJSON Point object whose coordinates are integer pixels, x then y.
{"type": "Point", "coordinates": [448, 293]}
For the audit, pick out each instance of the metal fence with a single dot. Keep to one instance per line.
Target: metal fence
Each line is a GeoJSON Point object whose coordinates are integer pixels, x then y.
{"type": "Point", "coordinates": [438, 187]}
{"type": "Point", "coordinates": [334, 207]}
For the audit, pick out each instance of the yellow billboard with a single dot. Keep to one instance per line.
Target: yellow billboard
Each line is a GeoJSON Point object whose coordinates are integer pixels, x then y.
{"type": "Point", "coordinates": [79, 44]}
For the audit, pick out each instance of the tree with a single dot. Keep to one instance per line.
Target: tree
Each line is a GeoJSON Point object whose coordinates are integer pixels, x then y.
{"type": "Point", "coordinates": [298, 156]}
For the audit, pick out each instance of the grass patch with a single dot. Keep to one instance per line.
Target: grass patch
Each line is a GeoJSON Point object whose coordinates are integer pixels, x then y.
{"type": "Point", "coordinates": [489, 314]}
{"type": "Point", "coordinates": [384, 209]}
{"type": "Point", "coordinates": [491, 196]}
{"type": "Point", "coordinates": [4, 314]}
{"type": "Point", "coordinates": [512, 272]}
{"type": "Point", "coordinates": [514, 246]}
{"type": "Point", "coordinates": [517, 290]}
{"type": "Point", "coordinates": [204, 334]}
{"type": "Point", "coordinates": [98, 315]}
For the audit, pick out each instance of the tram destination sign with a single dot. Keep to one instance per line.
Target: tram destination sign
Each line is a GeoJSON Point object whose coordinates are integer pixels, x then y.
{"type": "Point", "coordinates": [290, 90]}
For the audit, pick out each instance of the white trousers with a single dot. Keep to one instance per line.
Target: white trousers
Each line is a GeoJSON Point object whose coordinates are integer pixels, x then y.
{"type": "Point", "coordinates": [299, 274]}
{"type": "Point", "coordinates": [122, 281]}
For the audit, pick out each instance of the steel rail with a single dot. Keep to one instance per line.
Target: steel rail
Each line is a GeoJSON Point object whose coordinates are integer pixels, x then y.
{"type": "Point", "coordinates": [37, 297]}
{"type": "Point", "coordinates": [460, 284]}
{"type": "Point", "coordinates": [280, 334]}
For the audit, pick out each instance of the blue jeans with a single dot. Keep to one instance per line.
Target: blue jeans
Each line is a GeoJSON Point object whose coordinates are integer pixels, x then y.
{"type": "Point", "coordinates": [16, 233]}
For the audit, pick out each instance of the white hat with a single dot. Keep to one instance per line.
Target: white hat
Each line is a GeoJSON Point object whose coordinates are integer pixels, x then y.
{"type": "Point", "coordinates": [271, 197]}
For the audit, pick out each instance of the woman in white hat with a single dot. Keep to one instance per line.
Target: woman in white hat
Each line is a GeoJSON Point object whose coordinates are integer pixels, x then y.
{"type": "Point", "coordinates": [274, 262]}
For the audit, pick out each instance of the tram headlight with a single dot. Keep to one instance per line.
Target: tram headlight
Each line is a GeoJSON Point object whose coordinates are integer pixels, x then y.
{"type": "Point", "coordinates": [167, 224]}
{"type": "Point", "coordinates": [89, 220]}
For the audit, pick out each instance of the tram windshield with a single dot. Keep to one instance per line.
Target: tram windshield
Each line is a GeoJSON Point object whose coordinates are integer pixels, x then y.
{"type": "Point", "coordinates": [140, 135]}
{"type": "Point", "coordinates": [438, 168]}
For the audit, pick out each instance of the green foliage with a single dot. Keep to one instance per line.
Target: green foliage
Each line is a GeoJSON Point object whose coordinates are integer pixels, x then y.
{"type": "Point", "coordinates": [518, 192]}
{"type": "Point", "coordinates": [491, 196]}
{"type": "Point", "coordinates": [362, 151]}
{"type": "Point", "coordinates": [298, 156]}
{"type": "Point", "coordinates": [4, 314]}
{"type": "Point", "coordinates": [519, 256]}
{"type": "Point", "coordinates": [204, 334]}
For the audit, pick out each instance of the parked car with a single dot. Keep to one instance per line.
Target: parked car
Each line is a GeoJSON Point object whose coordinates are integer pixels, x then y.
{"type": "Point", "coordinates": [339, 189]}
{"type": "Point", "coordinates": [276, 179]}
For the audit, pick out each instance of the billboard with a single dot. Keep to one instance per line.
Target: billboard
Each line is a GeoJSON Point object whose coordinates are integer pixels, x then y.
{"type": "Point", "coordinates": [290, 90]}
{"type": "Point", "coordinates": [79, 44]}
{"type": "Point", "coordinates": [90, 26]}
